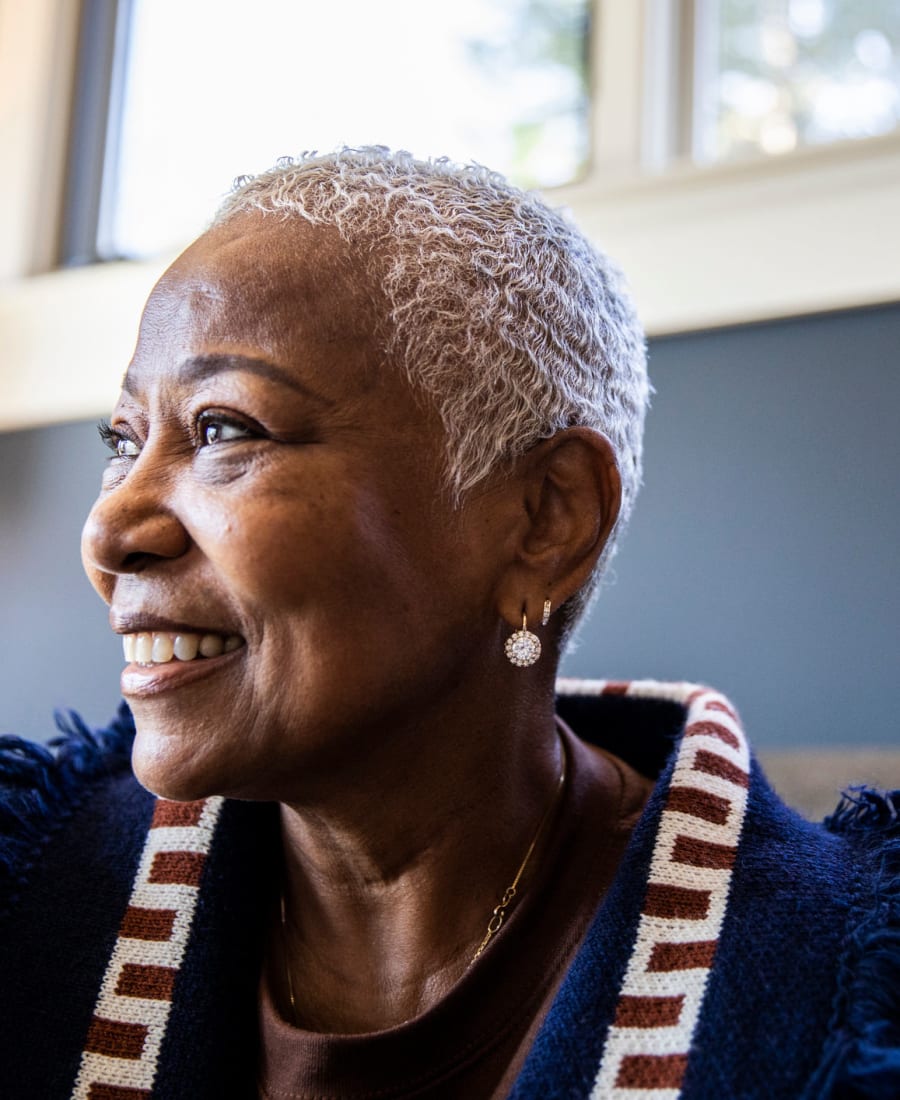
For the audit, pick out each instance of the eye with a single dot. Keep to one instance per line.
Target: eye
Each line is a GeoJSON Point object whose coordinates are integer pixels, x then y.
{"type": "Point", "coordinates": [213, 428]}
{"type": "Point", "coordinates": [120, 445]}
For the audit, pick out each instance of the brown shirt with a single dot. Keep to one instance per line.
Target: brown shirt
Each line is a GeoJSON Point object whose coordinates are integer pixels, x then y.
{"type": "Point", "coordinates": [473, 1042]}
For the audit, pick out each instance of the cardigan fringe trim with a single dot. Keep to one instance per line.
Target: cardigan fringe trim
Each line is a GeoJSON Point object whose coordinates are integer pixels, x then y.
{"type": "Point", "coordinates": [44, 785]}
{"type": "Point", "coordinates": [862, 1062]}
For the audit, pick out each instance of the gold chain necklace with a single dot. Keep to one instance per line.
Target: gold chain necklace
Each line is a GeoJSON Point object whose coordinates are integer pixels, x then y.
{"type": "Point", "coordinates": [499, 913]}
{"type": "Point", "coordinates": [287, 968]}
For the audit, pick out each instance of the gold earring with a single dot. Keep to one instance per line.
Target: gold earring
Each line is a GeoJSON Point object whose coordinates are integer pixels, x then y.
{"type": "Point", "coordinates": [545, 618]}
{"type": "Point", "coordinates": [522, 647]}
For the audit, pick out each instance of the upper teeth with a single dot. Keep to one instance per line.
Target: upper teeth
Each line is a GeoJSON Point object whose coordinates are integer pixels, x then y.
{"type": "Point", "coordinates": [159, 647]}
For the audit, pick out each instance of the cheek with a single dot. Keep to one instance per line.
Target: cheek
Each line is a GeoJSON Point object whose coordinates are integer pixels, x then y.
{"type": "Point", "coordinates": [280, 552]}
{"type": "Point", "coordinates": [331, 558]}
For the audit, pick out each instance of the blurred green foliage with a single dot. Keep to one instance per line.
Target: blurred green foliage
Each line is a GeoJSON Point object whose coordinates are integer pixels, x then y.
{"type": "Point", "coordinates": [538, 51]}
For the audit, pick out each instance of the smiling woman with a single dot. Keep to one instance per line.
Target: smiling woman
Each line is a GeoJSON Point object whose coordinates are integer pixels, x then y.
{"type": "Point", "coordinates": [380, 432]}
{"type": "Point", "coordinates": [294, 486]}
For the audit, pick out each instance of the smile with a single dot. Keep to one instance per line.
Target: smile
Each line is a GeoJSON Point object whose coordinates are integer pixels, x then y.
{"type": "Point", "coordinates": [163, 647]}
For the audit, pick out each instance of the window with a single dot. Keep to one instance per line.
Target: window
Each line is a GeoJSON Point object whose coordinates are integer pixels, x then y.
{"type": "Point", "coordinates": [779, 74]}
{"type": "Point", "coordinates": [208, 91]}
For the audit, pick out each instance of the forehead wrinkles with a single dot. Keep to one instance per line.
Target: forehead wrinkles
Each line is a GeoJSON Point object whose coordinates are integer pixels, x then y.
{"type": "Point", "coordinates": [284, 276]}
{"type": "Point", "coordinates": [289, 290]}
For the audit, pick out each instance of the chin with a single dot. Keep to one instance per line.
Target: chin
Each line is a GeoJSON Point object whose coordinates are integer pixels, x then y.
{"type": "Point", "coordinates": [167, 770]}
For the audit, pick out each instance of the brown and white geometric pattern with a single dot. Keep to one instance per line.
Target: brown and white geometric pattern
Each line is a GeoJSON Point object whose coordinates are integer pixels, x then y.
{"type": "Point", "coordinates": [122, 1048]}
{"type": "Point", "coordinates": [647, 1047]}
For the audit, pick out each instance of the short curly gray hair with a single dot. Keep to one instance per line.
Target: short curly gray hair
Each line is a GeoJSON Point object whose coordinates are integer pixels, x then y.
{"type": "Point", "coordinates": [499, 309]}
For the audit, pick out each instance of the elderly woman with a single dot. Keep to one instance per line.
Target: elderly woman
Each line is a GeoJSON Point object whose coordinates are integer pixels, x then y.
{"type": "Point", "coordinates": [380, 433]}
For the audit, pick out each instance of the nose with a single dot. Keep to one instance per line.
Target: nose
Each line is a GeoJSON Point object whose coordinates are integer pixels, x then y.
{"type": "Point", "coordinates": [130, 528]}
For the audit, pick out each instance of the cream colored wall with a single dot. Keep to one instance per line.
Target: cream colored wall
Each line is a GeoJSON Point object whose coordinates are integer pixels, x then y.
{"type": "Point", "coordinates": [65, 340]}
{"type": "Point", "coordinates": [816, 230]}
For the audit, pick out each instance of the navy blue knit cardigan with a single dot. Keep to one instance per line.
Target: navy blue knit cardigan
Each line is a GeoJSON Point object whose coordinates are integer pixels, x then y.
{"type": "Point", "coordinates": [741, 952]}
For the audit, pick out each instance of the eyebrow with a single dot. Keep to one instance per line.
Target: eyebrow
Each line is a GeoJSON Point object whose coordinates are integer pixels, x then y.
{"type": "Point", "coordinates": [200, 367]}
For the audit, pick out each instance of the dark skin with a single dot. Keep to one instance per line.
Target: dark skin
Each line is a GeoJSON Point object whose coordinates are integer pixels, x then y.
{"type": "Point", "coordinates": [279, 482]}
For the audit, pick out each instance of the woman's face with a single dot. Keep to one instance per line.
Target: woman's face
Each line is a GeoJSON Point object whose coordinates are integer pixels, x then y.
{"type": "Point", "coordinates": [278, 488]}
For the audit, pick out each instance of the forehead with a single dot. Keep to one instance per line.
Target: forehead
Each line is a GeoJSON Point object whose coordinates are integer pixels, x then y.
{"type": "Point", "coordinates": [267, 285]}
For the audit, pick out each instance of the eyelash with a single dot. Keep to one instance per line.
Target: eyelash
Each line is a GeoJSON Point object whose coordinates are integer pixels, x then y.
{"type": "Point", "coordinates": [107, 435]}
{"type": "Point", "coordinates": [113, 439]}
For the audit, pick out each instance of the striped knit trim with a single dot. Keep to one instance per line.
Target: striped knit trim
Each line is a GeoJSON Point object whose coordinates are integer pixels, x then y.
{"type": "Point", "coordinates": [121, 1052]}
{"type": "Point", "coordinates": [647, 1048]}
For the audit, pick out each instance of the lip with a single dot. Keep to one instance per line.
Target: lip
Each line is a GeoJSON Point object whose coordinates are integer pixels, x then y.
{"type": "Point", "coordinates": [144, 681]}
{"type": "Point", "coordinates": [142, 623]}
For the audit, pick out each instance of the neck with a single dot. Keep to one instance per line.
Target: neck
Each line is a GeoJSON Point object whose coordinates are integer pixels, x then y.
{"type": "Point", "coordinates": [388, 892]}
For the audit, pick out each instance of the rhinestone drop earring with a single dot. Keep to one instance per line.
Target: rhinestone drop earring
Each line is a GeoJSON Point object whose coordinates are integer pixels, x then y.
{"type": "Point", "coordinates": [523, 648]}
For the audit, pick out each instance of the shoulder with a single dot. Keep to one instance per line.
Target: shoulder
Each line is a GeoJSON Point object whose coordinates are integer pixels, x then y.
{"type": "Point", "coordinates": [72, 825]}
{"type": "Point", "coordinates": [43, 788]}
{"type": "Point", "coordinates": [799, 923]}
{"type": "Point", "coordinates": [862, 1055]}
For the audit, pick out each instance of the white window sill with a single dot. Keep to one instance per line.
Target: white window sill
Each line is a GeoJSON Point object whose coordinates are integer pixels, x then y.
{"type": "Point", "coordinates": [709, 246]}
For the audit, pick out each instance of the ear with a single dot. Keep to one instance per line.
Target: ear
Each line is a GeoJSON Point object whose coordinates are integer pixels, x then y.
{"type": "Point", "coordinates": [572, 493]}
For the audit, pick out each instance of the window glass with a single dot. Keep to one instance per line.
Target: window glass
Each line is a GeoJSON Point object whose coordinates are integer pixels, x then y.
{"type": "Point", "coordinates": [214, 88]}
{"type": "Point", "coordinates": [778, 74]}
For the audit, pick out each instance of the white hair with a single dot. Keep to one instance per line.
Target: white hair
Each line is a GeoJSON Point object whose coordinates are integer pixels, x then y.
{"type": "Point", "coordinates": [499, 309]}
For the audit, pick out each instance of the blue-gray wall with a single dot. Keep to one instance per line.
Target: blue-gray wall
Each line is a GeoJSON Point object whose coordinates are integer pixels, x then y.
{"type": "Point", "coordinates": [762, 557]}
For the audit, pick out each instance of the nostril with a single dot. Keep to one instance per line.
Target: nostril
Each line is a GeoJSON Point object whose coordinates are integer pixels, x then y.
{"type": "Point", "coordinates": [135, 561]}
